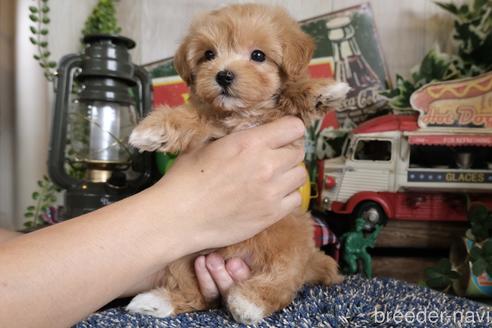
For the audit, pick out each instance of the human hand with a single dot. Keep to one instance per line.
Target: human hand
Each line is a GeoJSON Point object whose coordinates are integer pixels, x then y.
{"type": "Point", "coordinates": [216, 276]}
{"type": "Point", "coordinates": [236, 186]}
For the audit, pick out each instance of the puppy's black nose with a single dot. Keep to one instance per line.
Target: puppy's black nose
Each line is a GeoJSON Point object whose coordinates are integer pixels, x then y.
{"type": "Point", "coordinates": [224, 78]}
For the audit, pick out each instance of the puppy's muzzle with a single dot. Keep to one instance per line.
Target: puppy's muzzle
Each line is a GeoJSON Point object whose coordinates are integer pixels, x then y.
{"type": "Point", "coordinates": [224, 78]}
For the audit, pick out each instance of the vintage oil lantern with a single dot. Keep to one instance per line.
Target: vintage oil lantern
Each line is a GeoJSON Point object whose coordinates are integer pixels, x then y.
{"type": "Point", "coordinates": [100, 97]}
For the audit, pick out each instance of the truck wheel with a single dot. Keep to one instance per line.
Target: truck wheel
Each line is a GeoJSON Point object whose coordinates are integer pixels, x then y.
{"type": "Point", "coordinates": [372, 213]}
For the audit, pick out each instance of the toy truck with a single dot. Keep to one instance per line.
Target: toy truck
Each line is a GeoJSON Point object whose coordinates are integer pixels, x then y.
{"type": "Point", "coordinates": [424, 167]}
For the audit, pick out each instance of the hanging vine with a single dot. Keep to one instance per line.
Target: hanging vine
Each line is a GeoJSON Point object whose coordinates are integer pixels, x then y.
{"type": "Point", "coordinates": [39, 17]}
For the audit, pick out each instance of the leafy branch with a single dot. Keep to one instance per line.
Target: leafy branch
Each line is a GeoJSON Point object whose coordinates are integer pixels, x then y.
{"type": "Point", "coordinates": [480, 223]}
{"type": "Point", "coordinates": [473, 34]}
{"type": "Point", "coordinates": [441, 275]}
{"type": "Point", "coordinates": [38, 15]}
{"type": "Point", "coordinates": [481, 258]}
{"type": "Point", "coordinates": [43, 198]}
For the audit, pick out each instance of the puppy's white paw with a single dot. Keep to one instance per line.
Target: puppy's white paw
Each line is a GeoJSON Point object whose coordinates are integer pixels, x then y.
{"type": "Point", "coordinates": [243, 310]}
{"type": "Point", "coordinates": [332, 95]}
{"type": "Point", "coordinates": [154, 303]}
{"type": "Point", "coordinates": [147, 139]}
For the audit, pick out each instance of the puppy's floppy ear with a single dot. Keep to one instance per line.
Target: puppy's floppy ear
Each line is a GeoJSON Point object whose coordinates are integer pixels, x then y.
{"type": "Point", "coordinates": [181, 63]}
{"type": "Point", "coordinates": [298, 48]}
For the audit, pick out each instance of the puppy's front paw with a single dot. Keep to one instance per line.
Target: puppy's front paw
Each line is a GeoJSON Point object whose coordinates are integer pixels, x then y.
{"type": "Point", "coordinates": [148, 138]}
{"type": "Point", "coordinates": [242, 309]}
{"type": "Point", "coordinates": [332, 95]}
{"type": "Point", "coordinates": [155, 303]}
{"type": "Point", "coordinates": [160, 130]}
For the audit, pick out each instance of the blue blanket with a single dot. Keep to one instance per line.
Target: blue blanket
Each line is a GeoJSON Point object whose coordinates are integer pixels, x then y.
{"type": "Point", "coordinates": [357, 302]}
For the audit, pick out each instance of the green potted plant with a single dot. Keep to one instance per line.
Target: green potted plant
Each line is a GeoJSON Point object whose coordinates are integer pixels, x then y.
{"type": "Point", "coordinates": [469, 270]}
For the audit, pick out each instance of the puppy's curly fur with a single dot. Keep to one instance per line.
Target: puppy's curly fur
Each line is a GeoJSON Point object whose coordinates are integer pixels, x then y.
{"type": "Point", "coordinates": [262, 55]}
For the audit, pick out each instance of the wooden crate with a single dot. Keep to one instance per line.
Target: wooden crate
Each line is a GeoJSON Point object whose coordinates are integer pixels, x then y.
{"type": "Point", "coordinates": [405, 248]}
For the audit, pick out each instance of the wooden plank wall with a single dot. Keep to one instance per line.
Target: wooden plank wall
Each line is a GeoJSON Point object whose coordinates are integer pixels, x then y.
{"type": "Point", "coordinates": [405, 248]}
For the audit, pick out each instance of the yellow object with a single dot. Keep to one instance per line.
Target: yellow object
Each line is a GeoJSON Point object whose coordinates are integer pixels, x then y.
{"type": "Point", "coordinates": [305, 191]}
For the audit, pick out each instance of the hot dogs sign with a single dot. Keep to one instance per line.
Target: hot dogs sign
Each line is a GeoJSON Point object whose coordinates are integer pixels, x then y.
{"type": "Point", "coordinates": [464, 103]}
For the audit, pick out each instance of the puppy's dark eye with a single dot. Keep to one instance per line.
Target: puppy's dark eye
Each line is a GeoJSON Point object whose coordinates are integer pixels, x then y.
{"type": "Point", "coordinates": [258, 55]}
{"type": "Point", "coordinates": [209, 55]}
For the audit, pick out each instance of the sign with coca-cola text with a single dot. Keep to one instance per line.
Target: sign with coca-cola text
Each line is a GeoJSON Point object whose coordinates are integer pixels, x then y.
{"type": "Point", "coordinates": [347, 49]}
{"type": "Point", "coordinates": [349, 37]}
{"type": "Point", "coordinates": [464, 103]}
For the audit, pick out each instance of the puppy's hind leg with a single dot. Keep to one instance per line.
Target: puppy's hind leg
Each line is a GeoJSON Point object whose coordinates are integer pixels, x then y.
{"type": "Point", "coordinates": [252, 300]}
{"type": "Point", "coordinates": [162, 302]}
{"type": "Point", "coordinates": [156, 303]}
{"type": "Point", "coordinates": [322, 268]}
{"type": "Point", "coordinates": [178, 292]}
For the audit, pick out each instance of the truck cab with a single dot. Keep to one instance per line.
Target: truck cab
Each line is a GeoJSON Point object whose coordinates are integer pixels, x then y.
{"type": "Point", "coordinates": [369, 163]}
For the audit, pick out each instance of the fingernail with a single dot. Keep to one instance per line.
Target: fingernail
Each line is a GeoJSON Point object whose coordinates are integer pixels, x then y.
{"type": "Point", "coordinates": [215, 262]}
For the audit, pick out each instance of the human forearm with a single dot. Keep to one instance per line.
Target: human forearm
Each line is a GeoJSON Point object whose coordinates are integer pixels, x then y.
{"type": "Point", "coordinates": [7, 235]}
{"type": "Point", "coordinates": [216, 196]}
{"type": "Point", "coordinates": [64, 272]}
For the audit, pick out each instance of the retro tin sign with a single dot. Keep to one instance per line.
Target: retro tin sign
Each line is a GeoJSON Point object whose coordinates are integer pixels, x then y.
{"type": "Point", "coordinates": [347, 48]}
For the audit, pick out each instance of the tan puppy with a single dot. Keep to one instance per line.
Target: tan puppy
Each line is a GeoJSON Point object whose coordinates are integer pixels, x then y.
{"type": "Point", "coordinates": [246, 65]}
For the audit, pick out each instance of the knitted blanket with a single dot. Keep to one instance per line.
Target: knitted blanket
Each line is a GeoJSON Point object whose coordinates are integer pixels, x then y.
{"type": "Point", "coordinates": [357, 302]}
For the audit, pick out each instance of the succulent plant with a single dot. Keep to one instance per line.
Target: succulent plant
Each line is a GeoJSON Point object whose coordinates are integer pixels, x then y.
{"type": "Point", "coordinates": [102, 20]}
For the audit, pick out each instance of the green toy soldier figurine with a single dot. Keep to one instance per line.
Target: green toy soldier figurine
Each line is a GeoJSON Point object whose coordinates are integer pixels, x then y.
{"type": "Point", "coordinates": [355, 245]}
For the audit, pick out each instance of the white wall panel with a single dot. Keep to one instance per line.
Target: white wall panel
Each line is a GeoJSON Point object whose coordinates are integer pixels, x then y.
{"type": "Point", "coordinates": [408, 29]}
{"type": "Point", "coordinates": [7, 113]}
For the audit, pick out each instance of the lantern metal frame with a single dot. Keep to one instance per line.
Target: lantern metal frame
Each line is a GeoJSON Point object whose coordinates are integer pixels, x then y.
{"type": "Point", "coordinates": [107, 74]}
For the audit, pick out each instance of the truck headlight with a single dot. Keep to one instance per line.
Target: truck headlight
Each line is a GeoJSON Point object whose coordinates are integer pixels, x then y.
{"type": "Point", "coordinates": [326, 202]}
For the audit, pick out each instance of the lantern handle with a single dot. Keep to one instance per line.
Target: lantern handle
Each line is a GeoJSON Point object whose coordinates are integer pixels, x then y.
{"type": "Point", "coordinates": [56, 152]}
{"type": "Point", "coordinates": [146, 107]}
{"type": "Point", "coordinates": [146, 84]}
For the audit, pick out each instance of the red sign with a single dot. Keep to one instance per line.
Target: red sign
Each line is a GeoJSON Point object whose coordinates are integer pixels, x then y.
{"type": "Point", "coordinates": [452, 140]}
{"type": "Point", "coordinates": [170, 91]}
{"type": "Point", "coordinates": [464, 103]}
{"type": "Point", "coordinates": [321, 67]}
